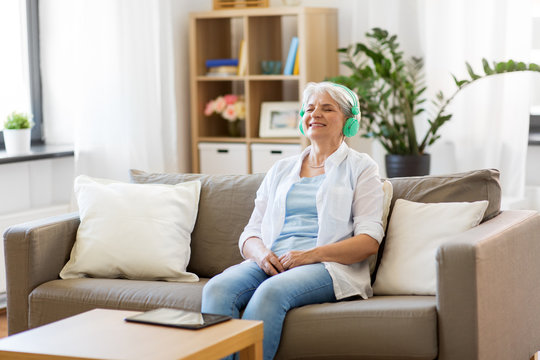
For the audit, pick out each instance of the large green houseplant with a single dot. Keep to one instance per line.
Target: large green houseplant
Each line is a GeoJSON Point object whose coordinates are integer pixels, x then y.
{"type": "Point", "coordinates": [391, 92]}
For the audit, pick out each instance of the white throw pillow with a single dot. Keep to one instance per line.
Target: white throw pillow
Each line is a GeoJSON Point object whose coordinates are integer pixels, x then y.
{"type": "Point", "coordinates": [134, 231]}
{"type": "Point", "coordinates": [415, 232]}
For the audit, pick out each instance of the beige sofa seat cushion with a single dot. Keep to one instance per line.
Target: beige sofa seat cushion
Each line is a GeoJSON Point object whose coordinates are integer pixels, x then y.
{"type": "Point", "coordinates": [382, 327]}
{"type": "Point", "coordinates": [57, 299]}
{"type": "Point", "coordinates": [225, 205]}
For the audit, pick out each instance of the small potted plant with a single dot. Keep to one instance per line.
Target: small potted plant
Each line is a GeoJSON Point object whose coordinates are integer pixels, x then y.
{"type": "Point", "coordinates": [17, 128]}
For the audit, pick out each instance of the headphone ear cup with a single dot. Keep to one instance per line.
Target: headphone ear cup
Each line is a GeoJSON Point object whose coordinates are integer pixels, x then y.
{"type": "Point", "coordinates": [351, 127]}
{"type": "Point", "coordinates": [302, 112]}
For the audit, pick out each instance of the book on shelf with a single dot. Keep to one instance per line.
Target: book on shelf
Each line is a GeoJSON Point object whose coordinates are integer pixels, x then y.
{"type": "Point", "coordinates": [289, 64]}
{"type": "Point", "coordinates": [296, 68]}
{"type": "Point", "coordinates": [242, 61]}
{"type": "Point", "coordinates": [224, 70]}
{"type": "Point", "coordinates": [221, 62]}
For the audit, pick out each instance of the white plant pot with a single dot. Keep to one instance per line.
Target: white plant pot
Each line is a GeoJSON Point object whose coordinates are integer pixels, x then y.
{"type": "Point", "coordinates": [17, 141]}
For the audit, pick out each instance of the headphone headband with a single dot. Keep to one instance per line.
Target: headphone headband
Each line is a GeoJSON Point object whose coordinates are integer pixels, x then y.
{"type": "Point", "coordinates": [355, 106]}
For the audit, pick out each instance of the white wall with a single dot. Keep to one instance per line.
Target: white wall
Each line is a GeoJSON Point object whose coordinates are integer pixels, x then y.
{"type": "Point", "coordinates": [32, 190]}
{"type": "Point", "coordinates": [181, 10]}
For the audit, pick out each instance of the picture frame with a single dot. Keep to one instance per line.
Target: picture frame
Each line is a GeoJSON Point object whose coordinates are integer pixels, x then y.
{"type": "Point", "coordinates": [279, 119]}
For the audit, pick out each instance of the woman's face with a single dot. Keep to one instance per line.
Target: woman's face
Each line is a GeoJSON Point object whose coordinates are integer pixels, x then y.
{"type": "Point", "coordinates": [322, 118]}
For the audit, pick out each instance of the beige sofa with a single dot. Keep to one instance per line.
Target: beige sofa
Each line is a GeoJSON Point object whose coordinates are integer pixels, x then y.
{"type": "Point", "coordinates": [487, 304]}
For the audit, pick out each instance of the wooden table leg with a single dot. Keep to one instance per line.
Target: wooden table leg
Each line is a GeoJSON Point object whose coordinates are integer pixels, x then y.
{"type": "Point", "coordinates": [252, 352]}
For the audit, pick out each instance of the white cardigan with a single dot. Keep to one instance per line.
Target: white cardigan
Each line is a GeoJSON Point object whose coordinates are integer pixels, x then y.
{"type": "Point", "coordinates": [349, 202]}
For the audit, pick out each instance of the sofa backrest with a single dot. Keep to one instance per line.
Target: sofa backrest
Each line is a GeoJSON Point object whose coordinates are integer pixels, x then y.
{"type": "Point", "coordinates": [225, 206]}
{"type": "Point", "coordinates": [467, 186]}
{"type": "Point", "coordinates": [226, 203]}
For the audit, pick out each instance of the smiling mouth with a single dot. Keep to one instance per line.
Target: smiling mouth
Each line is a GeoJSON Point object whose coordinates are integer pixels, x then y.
{"type": "Point", "coordinates": [316, 125]}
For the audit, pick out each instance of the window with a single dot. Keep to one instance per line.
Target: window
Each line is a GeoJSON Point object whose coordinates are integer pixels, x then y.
{"type": "Point", "coordinates": [20, 85]}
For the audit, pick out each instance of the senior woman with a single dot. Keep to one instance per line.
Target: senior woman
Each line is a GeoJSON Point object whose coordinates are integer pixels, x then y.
{"type": "Point", "coordinates": [317, 218]}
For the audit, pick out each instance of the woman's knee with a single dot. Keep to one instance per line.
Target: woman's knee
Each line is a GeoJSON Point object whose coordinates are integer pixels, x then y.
{"type": "Point", "coordinates": [216, 289]}
{"type": "Point", "coordinates": [271, 293]}
{"type": "Point", "coordinates": [213, 289]}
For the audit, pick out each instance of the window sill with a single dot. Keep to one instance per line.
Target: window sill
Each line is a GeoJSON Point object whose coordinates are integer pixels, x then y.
{"type": "Point", "coordinates": [38, 152]}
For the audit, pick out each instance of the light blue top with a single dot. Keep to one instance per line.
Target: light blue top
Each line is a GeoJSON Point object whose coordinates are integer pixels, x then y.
{"type": "Point", "coordinates": [301, 225]}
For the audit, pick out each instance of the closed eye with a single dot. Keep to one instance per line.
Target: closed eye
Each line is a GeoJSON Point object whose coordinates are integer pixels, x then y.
{"type": "Point", "coordinates": [325, 107]}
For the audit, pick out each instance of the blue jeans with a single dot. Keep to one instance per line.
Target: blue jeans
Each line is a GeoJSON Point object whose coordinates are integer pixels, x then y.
{"type": "Point", "coordinates": [268, 298]}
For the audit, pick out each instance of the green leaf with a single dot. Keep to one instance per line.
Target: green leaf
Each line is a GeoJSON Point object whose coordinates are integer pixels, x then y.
{"type": "Point", "coordinates": [433, 139]}
{"type": "Point", "coordinates": [360, 48]}
{"type": "Point", "coordinates": [367, 72]}
{"type": "Point", "coordinates": [521, 66]}
{"type": "Point", "coordinates": [534, 67]}
{"type": "Point", "coordinates": [471, 72]}
{"type": "Point", "coordinates": [419, 92]}
{"type": "Point", "coordinates": [459, 83]}
{"type": "Point", "coordinates": [510, 65]}
{"type": "Point", "coordinates": [500, 67]}
{"type": "Point", "coordinates": [487, 69]}
{"type": "Point", "coordinates": [444, 118]}
{"type": "Point", "coordinates": [349, 64]}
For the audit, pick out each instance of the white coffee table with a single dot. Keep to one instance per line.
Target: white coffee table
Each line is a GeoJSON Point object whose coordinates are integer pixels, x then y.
{"type": "Point", "coordinates": [103, 334]}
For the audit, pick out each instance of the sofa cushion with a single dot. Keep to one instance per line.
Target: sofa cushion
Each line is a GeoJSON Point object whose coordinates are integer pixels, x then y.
{"type": "Point", "coordinates": [225, 206]}
{"type": "Point", "coordinates": [415, 232]}
{"type": "Point", "coordinates": [140, 232]}
{"type": "Point", "coordinates": [58, 299]}
{"type": "Point", "coordinates": [382, 327]}
{"type": "Point", "coordinates": [467, 186]}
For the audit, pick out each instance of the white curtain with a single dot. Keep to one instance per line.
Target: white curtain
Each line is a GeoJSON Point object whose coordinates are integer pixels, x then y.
{"type": "Point", "coordinates": [114, 86]}
{"type": "Point", "coordinates": [489, 127]}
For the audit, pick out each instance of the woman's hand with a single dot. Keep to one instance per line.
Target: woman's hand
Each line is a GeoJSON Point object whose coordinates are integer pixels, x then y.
{"type": "Point", "coordinates": [296, 258]}
{"type": "Point", "coordinates": [269, 263]}
{"type": "Point", "coordinates": [255, 250]}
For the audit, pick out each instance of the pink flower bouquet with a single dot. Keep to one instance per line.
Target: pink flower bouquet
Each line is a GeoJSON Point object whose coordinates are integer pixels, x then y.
{"type": "Point", "coordinates": [231, 107]}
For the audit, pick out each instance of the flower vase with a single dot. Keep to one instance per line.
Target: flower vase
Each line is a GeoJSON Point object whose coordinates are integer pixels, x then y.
{"type": "Point", "coordinates": [235, 128]}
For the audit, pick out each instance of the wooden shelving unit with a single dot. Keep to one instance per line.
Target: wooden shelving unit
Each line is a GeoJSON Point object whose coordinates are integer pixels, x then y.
{"type": "Point", "coordinates": [268, 33]}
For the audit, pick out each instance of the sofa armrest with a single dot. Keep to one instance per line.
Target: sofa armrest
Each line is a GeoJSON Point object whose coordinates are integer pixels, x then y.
{"type": "Point", "coordinates": [35, 252]}
{"type": "Point", "coordinates": [488, 290]}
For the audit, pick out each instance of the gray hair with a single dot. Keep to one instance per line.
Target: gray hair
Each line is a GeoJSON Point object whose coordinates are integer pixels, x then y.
{"type": "Point", "coordinates": [341, 96]}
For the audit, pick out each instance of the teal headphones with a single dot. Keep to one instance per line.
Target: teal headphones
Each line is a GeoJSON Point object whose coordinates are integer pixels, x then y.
{"type": "Point", "coordinates": [351, 125]}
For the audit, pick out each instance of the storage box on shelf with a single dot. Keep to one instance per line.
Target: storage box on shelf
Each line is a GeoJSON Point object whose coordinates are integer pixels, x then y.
{"type": "Point", "coordinates": [223, 158]}
{"type": "Point", "coordinates": [267, 34]}
{"type": "Point", "coordinates": [263, 156]}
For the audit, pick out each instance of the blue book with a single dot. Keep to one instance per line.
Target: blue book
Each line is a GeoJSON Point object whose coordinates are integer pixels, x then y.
{"type": "Point", "coordinates": [221, 62]}
{"type": "Point", "coordinates": [289, 64]}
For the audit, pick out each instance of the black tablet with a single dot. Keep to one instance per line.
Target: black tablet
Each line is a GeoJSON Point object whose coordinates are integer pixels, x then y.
{"type": "Point", "coordinates": [177, 318]}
